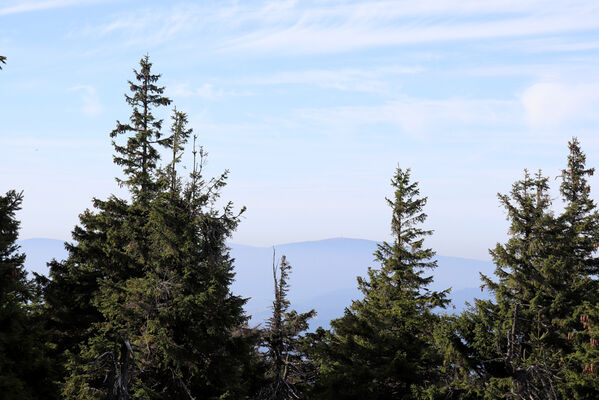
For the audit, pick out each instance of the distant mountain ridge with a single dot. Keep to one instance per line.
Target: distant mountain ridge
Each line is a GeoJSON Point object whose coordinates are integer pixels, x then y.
{"type": "Point", "coordinates": [323, 276]}
{"type": "Point", "coordinates": [40, 251]}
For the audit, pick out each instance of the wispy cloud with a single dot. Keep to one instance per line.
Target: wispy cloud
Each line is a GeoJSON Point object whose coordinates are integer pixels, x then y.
{"type": "Point", "coordinates": [374, 80]}
{"type": "Point", "coordinates": [179, 90]}
{"type": "Point", "coordinates": [24, 139]}
{"type": "Point", "coordinates": [414, 116]}
{"type": "Point", "coordinates": [339, 26]}
{"type": "Point", "coordinates": [206, 91]}
{"type": "Point", "coordinates": [153, 25]}
{"type": "Point", "coordinates": [354, 26]}
{"type": "Point", "coordinates": [23, 6]}
{"type": "Point", "coordinates": [91, 106]}
{"type": "Point", "coordinates": [551, 104]}
{"type": "Point", "coordinates": [557, 44]}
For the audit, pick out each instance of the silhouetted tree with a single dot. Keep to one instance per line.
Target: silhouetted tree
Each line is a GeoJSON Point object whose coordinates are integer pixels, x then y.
{"type": "Point", "coordinates": [25, 369]}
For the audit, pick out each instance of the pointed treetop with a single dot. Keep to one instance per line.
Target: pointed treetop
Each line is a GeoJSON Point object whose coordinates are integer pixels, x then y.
{"type": "Point", "coordinates": [575, 187]}
{"type": "Point", "coordinates": [404, 262]}
{"type": "Point", "coordinates": [407, 208]}
{"type": "Point", "coordinates": [176, 142]}
{"type": "Point", "coordinates": [139, 155]}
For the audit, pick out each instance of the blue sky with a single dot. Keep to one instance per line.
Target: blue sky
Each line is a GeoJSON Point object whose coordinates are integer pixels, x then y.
{"type": "Point", "coordinates": [311, 105]}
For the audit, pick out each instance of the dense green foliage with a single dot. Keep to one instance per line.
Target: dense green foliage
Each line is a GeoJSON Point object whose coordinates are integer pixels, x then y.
{"type": "Point", "coordinates": [536, 339]}
{"type": "Point", "coordinates": [142, 307]}
{"type": "Point", "coordinates": [149, 279]}
{"type": "Point", "coordinates": [383, 347]}
{"type": "Point", "coordinates": [25, 371]}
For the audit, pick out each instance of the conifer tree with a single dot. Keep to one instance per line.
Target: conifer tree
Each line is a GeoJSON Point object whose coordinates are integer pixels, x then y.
{"type": "Point", "coordinates": [288, 369]}
{"type": "Point", "coordinates": [527, 274]}
{"type": "Point", "coordinates": [505, 349]}
{"type": "Point", "coordinates": [535, 340]}
{"type": "Point", "coordinates": [150, 279]}
{"type": "Point", "coordinates": [112, 243]}
{"type": "Point", "coordinates": [25, 370]}
{"type": "Point", "coordinates": [579, 295]}
{"type": "Point", "coordinates": [382, 348]}
{"type": "Point", "coordinates": [176, 142]}
{"type": "Point", "coordinates": [139, 155]}
{"type": "Point", "coordinates": [2, 61]}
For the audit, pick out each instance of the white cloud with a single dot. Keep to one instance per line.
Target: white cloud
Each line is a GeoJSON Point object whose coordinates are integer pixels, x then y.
{"type": "Point", "coordinates": [419, 116]}
{"type": "Point", "coordinates": [152, 26]}
{"type": "Point", "coordinates": [349, 79]}
{"type": "Point", "coordinates": [339, 26]}
{"type": "Point", "coordinates": [551, 104]}
{"type": "Point", "coordinates": [206, 91]}
{"type": "Point", "coordinates": [353, 26]}
{"type": "Point", "coordinates": [24, 139]}
{"type": "Point", "coordinates": [17, 7]}
{"type": "Point", "coordinates": [91, 103]}
{"type": "Point", "coordinates": [179, 90]}
{"type": "Point", "coordinates": [557, 44]}
{"type": "Point", "coordinates": [209, 92]}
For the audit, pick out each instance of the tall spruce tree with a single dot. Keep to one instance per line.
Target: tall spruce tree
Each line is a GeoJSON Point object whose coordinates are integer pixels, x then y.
{"type": "Point", "coordinates": [288, 369]}
{"type": "Point", "coordinates": [526, 292]}
{"type": "Point", "coordinates": [25, 370]}
{"type": "Point", "coordinates": [139, 155]}
{"type": "Point", "coordinates": [150, 278]}
{"type": "Point", "coordinates": [536, 340]}
{"type": "Point", "coordinates": [579, 295]}
{"type": "Point", "coordinates": [383, 348]}
{"type": "Point", "coordinates": [507, 348]}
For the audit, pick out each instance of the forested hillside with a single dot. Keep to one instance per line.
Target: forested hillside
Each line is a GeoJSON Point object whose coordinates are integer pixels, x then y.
{"type": "Point", "coordinates": [144, 304]}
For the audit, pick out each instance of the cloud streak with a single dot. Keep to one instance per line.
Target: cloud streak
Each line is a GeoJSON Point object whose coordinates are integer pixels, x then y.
{"type": "Point", "coordinates": [206, 91]}
{"type": "Point", "coordinates": [18, 7]}
{"type": "Point", "coordinates": [310, 38]}
{"type": "Point", "coordinates": [418, 117]}
{"type": "Point", "coordinates": [292, 27]}
{"type": "Point", "coordinates": [91, 103]}
{"type": "Point", "coordinates": [550, 105]}
{"type": "Point", "coordinates": [373, 80]}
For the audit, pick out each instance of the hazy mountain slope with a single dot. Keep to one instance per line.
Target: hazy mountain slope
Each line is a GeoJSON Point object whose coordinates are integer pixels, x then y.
{"type": "Point", "coordinates": [323, 276]}
{"type": "Point", "coordinates": [40, 251]}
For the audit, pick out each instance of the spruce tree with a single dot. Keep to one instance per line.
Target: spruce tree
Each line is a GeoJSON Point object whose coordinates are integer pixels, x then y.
{"type": "Point", "coordinates": [383, 347]}
{"type": "Point", "coordinates": [580, 295]}
{"type": "Point", "coordinates": [536, 340]}
{"type": "Point", "coordinates": [288, 370]}
{"type": "Point", "coordinates": [150, 278]}
{"type": "Point", "coordinates": [139, 155]}
{"type": "Point", "coordinates": [25, 370]}
{"type": "Point", "coordinates": [2, 61]}
{"type": "Point", "coordinates": [111, 242]}
{"type": "Point", "coordinates": [526, 291]}
{"type": "Point", "coordinates": [506, 348]}
{"type": "Point", "coordinates": [176, 142]}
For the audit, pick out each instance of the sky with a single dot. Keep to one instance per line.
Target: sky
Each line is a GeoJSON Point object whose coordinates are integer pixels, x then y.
{"type": "Point", "coordinates": [311, 105]}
